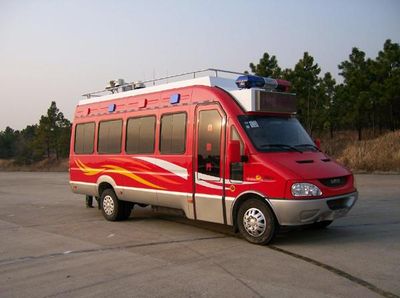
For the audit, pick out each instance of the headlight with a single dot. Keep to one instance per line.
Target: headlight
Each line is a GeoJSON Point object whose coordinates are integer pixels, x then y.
{"type": "Point", "coordinates": [305, 190]}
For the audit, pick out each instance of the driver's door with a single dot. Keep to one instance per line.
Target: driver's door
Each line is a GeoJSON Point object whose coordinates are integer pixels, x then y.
{"type": "Point", "coordinates": [209, 157]}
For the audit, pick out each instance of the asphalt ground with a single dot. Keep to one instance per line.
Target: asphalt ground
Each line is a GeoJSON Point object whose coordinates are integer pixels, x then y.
{"type": "Point", "coordinates": [52, 246]}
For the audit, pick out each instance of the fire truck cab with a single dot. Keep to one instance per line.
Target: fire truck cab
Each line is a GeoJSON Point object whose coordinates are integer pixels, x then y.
{"type": "Point", "coordinates": [222, 150]}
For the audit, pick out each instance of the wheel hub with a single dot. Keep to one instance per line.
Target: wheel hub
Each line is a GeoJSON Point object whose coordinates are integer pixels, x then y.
{"type": "Point", "coordinates": [108, 205]}
{"type": "Point", "coordinates": [254, 222]}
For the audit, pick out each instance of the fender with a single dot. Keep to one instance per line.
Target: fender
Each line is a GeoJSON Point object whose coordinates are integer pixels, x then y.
{"type": "Point", "coordinates": [233, 205]}
{"type": "Point", "coordinates": [109, 180]}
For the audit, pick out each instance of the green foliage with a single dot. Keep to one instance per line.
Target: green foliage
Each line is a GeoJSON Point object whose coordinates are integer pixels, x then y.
{"type": "Point", "coordinates": [386, 89]}
{"type": "Point", "coordinates": [8, 139]}
{"type": "Point", "coordinates": [53, 133]}
{"type": "Point", "coordinates": [358, 78]}
{"type": "Point", "coordinates": [26, 153]}
{"type": "Point", "coordinates": [266, 67]}
{"type": "Point", "coordinates": [327, 109]}
{"type": "Point", "coordinates": [305, 83]}
{"type": "Point", "coordinates": [49, 138]}
{"type": "Point", "coordinates": [368, 98]}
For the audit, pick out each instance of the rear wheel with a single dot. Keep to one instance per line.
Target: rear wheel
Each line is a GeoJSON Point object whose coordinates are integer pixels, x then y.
{"type": "Point", "coordinates": [114, 209]}
{"type": "Point", "coordinates": [256, 222]}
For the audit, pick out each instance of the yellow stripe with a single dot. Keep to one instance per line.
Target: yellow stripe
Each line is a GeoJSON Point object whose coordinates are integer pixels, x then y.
{"type": "Point", "coordinates": [114, 169]}
{"type": "Point", "coordinates": [87, 170]}
{"type": "Point", "coordinates": [122, 171]}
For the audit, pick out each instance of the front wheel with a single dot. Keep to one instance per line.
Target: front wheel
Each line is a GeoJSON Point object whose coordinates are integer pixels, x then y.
{"type": "Point", "coordinates": [256, 222]}
{"type": "Point", "coordinates": [114, 209]}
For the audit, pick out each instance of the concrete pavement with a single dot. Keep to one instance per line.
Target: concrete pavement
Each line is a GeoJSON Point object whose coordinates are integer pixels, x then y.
{"type": "Point", "coordinates": [51, 245]}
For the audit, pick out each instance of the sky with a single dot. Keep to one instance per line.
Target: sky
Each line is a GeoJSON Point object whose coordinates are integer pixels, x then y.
{"type": "Point", "coordinates": [58, 50]}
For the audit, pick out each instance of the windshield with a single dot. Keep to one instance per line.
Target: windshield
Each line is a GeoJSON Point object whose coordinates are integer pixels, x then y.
{"type": "Point", "coordinates": [271, 134]}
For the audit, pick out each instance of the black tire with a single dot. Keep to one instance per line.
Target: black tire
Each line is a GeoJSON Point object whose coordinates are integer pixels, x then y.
{"type": "Point", "coordinates": [321, 224]}
{"type": "Point", "coordinates": [257, 213]}
{"type": "Point", "coordinates": [114, 209]}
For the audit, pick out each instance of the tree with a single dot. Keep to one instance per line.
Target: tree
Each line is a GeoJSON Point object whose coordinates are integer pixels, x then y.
{"type": "Point", "coordinates": [8, 140]}
{"type": "Point", "coordinates": [368, 98]}
{"type": "Point", "coordinates": [327, 110]}
{"type": "Point", "coordinates": [49, 138]}
{"type": "Point", "coordinates": [357, 79]}
{"type": "Point", "coordinates": [304, 79]}
{"type": "Point", "coordinates": [26, 153]}
{"type": "Point", "coordinates": [341, 107]}
{"type": "Point", "coordinates": [53, 133]}
{"type": "Point", "coordinates": [266, 67]}
{"type": "Point", "coordinates": [386, 88]}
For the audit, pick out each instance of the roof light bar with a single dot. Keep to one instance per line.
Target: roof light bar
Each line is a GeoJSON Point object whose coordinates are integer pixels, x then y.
{"type": "Point", "coordinates": [250, 81]}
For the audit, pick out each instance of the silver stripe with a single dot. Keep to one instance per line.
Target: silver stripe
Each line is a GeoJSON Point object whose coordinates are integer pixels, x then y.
{"type": "Point", "coordinates": [176, 193]}
{"type": "Point", "coordinates": [82, 183]}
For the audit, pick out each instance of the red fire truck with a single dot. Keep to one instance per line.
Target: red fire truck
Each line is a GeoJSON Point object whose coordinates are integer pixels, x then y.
{"type": "Point", "coordinates": [220, 150]}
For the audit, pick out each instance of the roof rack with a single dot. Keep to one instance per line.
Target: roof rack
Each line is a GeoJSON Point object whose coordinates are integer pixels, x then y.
{"type": "Point", "coordinates": [129, 86]}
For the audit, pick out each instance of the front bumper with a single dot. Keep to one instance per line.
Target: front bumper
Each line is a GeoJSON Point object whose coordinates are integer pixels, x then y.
{"type": "Point", "coordinates": [308, 211]}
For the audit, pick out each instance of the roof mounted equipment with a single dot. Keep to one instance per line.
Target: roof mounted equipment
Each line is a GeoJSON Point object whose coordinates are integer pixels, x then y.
{"type": "Point", "coordinates": [251, 81]}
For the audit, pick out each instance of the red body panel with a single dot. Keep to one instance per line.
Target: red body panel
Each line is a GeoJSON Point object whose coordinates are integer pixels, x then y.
{"type": "Point", "coordinates": [268, 174]}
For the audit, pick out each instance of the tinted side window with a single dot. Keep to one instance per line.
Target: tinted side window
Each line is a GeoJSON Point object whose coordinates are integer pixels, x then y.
{"type": "Point", "coordinates": [110, 133]}
{"type": "Point", "coordinates": [140, 135]}
{"type": "Point", "coordinates": [173, 133]}
{"type": "Point", "coordinates": [209, 143]}
{"type": "Point", "coordinates": [84, 138]}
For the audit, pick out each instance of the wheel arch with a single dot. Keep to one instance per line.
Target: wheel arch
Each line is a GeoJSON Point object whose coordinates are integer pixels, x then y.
{"type": "Point", "coordinates": [104, 182]}
{"type": "Point", "coordinates": [244, 197]}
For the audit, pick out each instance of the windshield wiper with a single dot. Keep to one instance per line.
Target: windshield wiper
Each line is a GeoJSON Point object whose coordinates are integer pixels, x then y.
{"type": "Point", "coordinates": [308, 145]}
{"type": "Point", "coordinates": [281, 146]}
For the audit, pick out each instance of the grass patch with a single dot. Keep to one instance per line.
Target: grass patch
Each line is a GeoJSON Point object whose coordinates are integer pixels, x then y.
{"type": "Point", "coordinates": [379, 154]}
{"type": "Point", "coordinates": [46, 165]}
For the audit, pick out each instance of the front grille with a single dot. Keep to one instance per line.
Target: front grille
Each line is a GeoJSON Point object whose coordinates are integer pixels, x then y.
{"type": "Point", "coordinates": [334, 182]}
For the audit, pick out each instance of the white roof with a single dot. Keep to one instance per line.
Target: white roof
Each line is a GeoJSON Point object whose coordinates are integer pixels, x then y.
{"type": "Point", "coordinates": [227, 84]}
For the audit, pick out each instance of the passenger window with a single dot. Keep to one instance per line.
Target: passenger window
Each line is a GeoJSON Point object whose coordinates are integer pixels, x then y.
{"type": "Point", "coordinates": [173, 133]}
{"type": "Point", "coordinates": [236, 168]}
{"type": "Point", "coordinates": [209, 143]}
{"type": "Point", "coordinates": [140, 135]}
{"type": "Point", "coordinates": [84, 138]}
{"type": "Point", "coordinates": [110, 133]}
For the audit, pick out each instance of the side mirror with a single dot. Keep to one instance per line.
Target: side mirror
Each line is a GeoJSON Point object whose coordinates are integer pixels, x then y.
{"type": "Point", "coordinates": [318, 143]}
{"type": "Point", "coordinates": [234, 151]}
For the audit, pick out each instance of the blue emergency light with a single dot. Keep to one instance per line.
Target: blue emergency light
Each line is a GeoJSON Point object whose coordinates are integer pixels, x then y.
{"type": "Point", "coordinates": [112, 107]}
{"type": "Point", "coordinates": [250, 81]}
{"type": "Point", "coordinates": [175, 98]}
